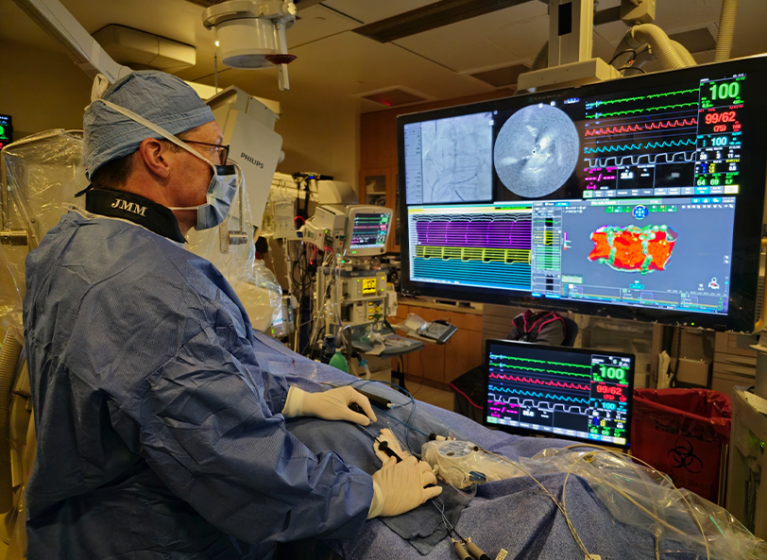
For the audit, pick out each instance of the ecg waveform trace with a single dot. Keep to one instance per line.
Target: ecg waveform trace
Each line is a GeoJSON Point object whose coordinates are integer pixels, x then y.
{"type": "Point", "coordinates": [516, 401]}
{"type": "Point", "coordinates": [560, 384]}
{"type": "Point", "coordinates": [489, 248]}
{"type": "Point", "coordinates": [599, 115]}
{"type": "Point", "coordinates": [647, 146]}
{"type": "Point", "coordinates": [504, 231]}
{"type": "Point", "coordinates": [540, 370]}
{"type": "Point", "coordinates": [538, 394]}
{"type": "Point", "coordinates": [503, 357]}
{"type": "Point", "coordinates": [641, 97]}
{"type": "Point", "coordinates": [507, 256]}
{"type": "Point", "coordinates": [546, 365]}
{"type": "Point", "coordinates": [659, 125]}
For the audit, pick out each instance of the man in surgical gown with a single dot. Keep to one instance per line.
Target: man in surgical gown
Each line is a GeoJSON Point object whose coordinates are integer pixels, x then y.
{"type": "Point", "coordinates": [159, 437]}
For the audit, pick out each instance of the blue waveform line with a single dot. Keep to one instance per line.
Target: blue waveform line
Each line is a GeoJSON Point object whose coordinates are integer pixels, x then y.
{"type": "Point", "coordinates": [670, 143]}
{"type": "Point", "coordinates": [515, 276]}
{"type": "Point", "coordinates": [621, 148]}
{"type": "Point", "coordinates": [624, 147]}
{"type": "Point", "coordinates": [537, 394]}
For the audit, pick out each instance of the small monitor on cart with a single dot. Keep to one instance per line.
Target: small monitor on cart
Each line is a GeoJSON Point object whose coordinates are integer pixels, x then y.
{"type": "Point", "coordinates": [571, 393]}
{"type": "Point", "coordinates": [367, 230]}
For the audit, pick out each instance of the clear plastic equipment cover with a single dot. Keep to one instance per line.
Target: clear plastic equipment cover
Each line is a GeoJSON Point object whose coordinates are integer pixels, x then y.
{"type": "Point", "coordinates": [41, 175]}
{"type": "Point", "coordinates": [638, 495]}
{"type": "Point", "coordinates": [680, 521]}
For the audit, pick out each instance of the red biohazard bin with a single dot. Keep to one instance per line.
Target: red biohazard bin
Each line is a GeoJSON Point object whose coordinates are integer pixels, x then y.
{"type": "Point", "coordinates": [684, 433]}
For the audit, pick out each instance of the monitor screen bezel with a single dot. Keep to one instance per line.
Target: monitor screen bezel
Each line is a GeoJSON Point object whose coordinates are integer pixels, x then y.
{"type": "Point", "coordinates": [544, 348]}
{"type": "Point", "coordinates": [749, 212]}
{"type": "Point", "coordinates": [351, 212]}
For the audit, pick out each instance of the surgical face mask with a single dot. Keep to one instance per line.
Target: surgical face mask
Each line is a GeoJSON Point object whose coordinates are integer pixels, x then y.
{"type": "Point", "coordinates": [223, 186]}
{"type": "Point", "coordinates": [221, 192]}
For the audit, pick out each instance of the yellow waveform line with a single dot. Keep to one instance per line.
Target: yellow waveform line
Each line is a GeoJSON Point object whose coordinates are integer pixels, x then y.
{"type": "Point", "coordinates": [507, 256]}
{"type": "Point", "coordinates": [546, 238]}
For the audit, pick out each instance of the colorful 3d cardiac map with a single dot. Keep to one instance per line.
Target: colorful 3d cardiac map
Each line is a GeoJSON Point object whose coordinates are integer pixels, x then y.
{"type": "Point", "coordinates": [632, 248]}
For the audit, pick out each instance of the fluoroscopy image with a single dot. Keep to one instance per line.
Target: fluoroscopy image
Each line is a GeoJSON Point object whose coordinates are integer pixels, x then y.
{"type": "Point", "coordinates": [536, 151]}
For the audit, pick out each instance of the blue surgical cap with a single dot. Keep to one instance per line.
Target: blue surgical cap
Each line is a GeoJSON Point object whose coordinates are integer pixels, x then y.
{"type": "Point", "coordinates": [160, 98]}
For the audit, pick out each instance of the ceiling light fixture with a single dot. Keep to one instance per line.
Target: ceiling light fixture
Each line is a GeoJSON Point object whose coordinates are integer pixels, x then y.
{"type": "Point", "coordinates": [251, 34]}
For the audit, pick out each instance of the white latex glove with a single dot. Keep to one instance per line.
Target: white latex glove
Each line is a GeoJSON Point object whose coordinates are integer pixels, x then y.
{"type": "Point", "coordinates": [388, 436]}
{"type": "Point", "coordinates": [328, 405]}
{"type": "Point", "coordinates": [400, 487]}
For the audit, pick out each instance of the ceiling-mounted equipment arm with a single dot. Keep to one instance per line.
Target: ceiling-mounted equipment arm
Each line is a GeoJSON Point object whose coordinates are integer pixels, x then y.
{"type": "Point", "coordinates": [52, 16]}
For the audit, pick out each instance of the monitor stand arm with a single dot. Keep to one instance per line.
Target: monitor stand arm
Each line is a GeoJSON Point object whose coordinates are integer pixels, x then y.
{"type": "Point", "coordinates": [570, 62]}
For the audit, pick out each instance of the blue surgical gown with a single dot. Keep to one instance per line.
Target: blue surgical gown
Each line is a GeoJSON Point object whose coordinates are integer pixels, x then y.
{"type": "Point", "coordinates": [159, 437]}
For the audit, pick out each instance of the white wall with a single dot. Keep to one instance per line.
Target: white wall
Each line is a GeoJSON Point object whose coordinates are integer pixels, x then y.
{"type": "Point", "coordinates": [41, 89]}
{"type": "Point", "coordinates": [323, 142]}
{"type": "Point", "coordinates": [44, 89]}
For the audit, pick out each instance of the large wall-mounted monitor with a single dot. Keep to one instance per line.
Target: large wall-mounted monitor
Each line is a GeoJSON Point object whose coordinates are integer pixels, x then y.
{"type": "Point", "coordinates": [636, 198]}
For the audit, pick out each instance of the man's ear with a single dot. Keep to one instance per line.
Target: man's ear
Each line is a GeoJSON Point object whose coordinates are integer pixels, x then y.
{"type": "Point", "coordinates": [154, 154]}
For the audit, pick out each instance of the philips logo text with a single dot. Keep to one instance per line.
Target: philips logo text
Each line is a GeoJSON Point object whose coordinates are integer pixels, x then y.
{"type": "Point", "coordinates": [252, 160]}
{"type": "Point", "coordinates": [129, 207]}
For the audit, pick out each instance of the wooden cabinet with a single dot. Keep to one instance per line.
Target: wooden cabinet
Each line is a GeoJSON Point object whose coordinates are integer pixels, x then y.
{"type": "Point", "coordinates": [462, 352]}
{"type": "Point", "coordinates": [378, 187]}
{"type": "Point", "coordinates": [439, 364]}
{"type": "Point", "coordinates": [428, 363]}
{"type": "Point", "coordinates": [375, 185]}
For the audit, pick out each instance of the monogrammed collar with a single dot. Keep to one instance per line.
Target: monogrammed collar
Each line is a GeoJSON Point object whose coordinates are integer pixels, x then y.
{"type": "Point", "coordinates": [136, 209]}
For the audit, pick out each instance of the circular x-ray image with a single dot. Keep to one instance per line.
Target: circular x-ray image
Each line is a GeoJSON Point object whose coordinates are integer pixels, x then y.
{"type": "Point", "coordinates": [536, 151]}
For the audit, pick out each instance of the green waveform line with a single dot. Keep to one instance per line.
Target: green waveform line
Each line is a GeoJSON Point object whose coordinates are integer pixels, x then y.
{"type": "Point", "coordinates": [502, 357]}
{"type": "Point", "coordinates": [511, 366]}
{"type": "Point", "coordinates": [570, 373]}
{"type": "Point", "coordinates": [634, 111]}
{"type": "Point", "coordinates": [678, 92]}
{"type": "Point", "coordinates": [641, 97]}
{"type": "Point", "coordinates": [624, 147]}
{"type": "Point", "coordinates": [624, 100]}
{"type": "Point", "coordinates": [569, 365]}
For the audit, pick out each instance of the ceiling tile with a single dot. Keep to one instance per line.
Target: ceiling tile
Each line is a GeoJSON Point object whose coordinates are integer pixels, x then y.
{"type": "Point", "coordinates": [337, 69]}
{"type": "Point", "coordinates": [460, 46]}
{"type": "Point", "coordinates": [524, 38]}
{"type": "Point", "coordinates": [316, 23]}
{"type": "Point", "coordinates": [368, 11]}
{"type": "Point", "coordinates": [484, 42]}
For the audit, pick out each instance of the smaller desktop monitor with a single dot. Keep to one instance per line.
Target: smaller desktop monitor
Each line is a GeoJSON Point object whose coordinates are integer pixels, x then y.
{"type": "Point", "coordinates": [367, 230]}
{"type": "Point", "coordinates": [572, 393]}
{"type": "Point", "coordinates": [6, 130]}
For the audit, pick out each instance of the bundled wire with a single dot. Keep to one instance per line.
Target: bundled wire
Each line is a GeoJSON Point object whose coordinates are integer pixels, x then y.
{"type": "Point", "coordinates": [561, 506]}
{"type": "Point", "coordinates": [409, 422]}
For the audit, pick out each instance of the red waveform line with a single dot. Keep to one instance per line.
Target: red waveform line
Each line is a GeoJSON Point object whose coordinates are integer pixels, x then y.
{"type": "Point", "coordinates": [540, 382]}
{"type": "Point", "coordinates": [637, 127]}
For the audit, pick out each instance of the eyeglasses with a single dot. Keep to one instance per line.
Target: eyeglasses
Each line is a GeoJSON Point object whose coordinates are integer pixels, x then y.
{"type": "Point", "coordinates": [222, 150]}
